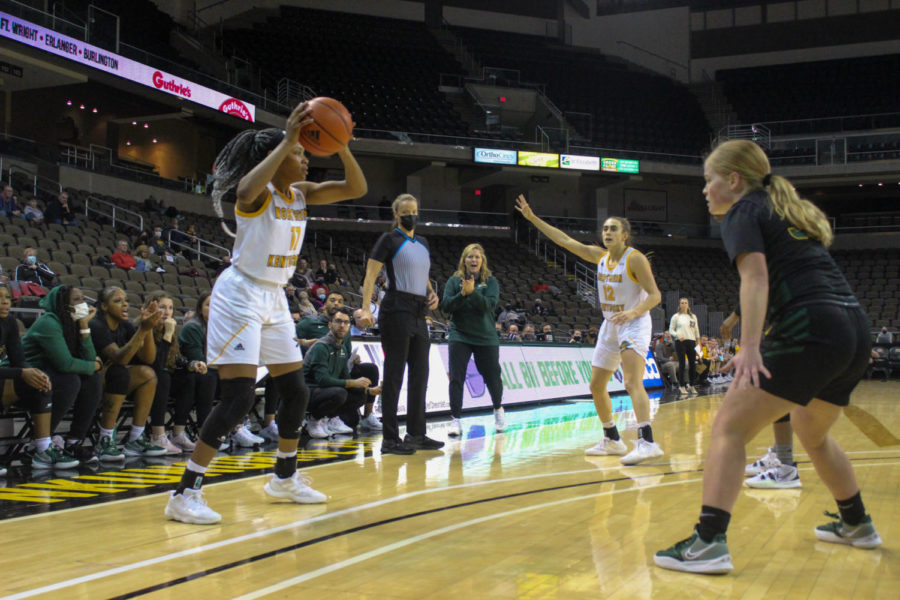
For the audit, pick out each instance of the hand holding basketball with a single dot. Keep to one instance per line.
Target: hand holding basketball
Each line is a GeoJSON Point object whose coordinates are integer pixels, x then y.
{"type": "Point", "coordinates": [328, 129]}
{"type": "Point", "coordinates": [299, 118]}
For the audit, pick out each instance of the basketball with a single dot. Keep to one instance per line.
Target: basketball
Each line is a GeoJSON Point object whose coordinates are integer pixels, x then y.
{"type": "Point", "coordinates": [331, 130]}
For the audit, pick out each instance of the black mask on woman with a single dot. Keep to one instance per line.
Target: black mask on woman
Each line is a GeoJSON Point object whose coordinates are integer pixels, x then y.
{"type": "Point", "coordinates": [408, 222]}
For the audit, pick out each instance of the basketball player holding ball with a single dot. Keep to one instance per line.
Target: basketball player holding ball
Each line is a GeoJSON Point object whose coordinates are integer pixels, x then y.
{"type": "Point", "coordinates": [249, 321]}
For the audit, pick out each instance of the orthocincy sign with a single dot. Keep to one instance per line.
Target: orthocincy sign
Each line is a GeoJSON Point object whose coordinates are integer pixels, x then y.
{"type": "Point", "coordinates": [47, 40]}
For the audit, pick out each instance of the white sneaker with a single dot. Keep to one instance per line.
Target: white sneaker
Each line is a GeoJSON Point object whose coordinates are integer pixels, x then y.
{"type": "Point", "coordinates": [243, 438]}
{"type": "Point", "coordinates": [455, 429]}
{"type": "Point", "coordinates": [643, 450]}
{"type": "Point", "coordinates": [607, 447]}
{"type": "Point", "coordinates": [2, 471]}
{"type": "Point", "coordinates": [269, 432]}
{"type": "Point", "coordinates": [295, 488]}
{"type": "Point", "coordinates": [780, 477]}
{"type": "Point", "coordinates": [183, 441]}
{"type": "Point", "coordinates": [163, 442]}
{"type": "Point", "coordinates": [499, 420]}
{"type": "Point", "coordinates": [769, 461]}
{"type": "Point", "coordinates": [371, 422]}
{"type": "Point", "coordinates": [190, 507]}
{"type": "Point", "coordinates": [225, 446]}
{"type": "Point", "coordinates": [336, 425]}
{"type": "Point", "coordinates": [317, 428]}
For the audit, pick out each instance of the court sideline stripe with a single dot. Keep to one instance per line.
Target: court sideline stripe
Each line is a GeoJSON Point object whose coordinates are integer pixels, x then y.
{"type": "Point", "coordinates": [258, 534]}
{"type": "Point", "coordinates": [331, 536]}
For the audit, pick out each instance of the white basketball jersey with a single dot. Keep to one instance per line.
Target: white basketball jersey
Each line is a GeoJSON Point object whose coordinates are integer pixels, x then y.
{"type": "Point", "coordinates": [617, 290]}
{"type": "Point", "coordinates": [268, 240]}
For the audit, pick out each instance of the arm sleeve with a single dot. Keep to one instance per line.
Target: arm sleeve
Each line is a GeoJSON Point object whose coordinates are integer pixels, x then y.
{"type": "Point", "coordinates": [50, 338]}
{"type": "Point", "coordinates": [384, 249]}
{"type": "Point", "coordinates": [452, 299]}
{"type": "Point", "coordinates": [191, 340]}
{"type": "Point", "coordinates": [45, 271]}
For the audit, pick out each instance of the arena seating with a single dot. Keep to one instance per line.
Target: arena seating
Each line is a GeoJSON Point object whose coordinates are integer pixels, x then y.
{"type": "Point", "coordinates": [809, 92]}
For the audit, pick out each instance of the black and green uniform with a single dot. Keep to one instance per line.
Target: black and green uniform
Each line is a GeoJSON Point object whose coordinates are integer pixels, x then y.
{"type": "Point", "coordinates": [472, 332]}
{"type": "Point", "coordinates": [817, 344]}
{"type": "Point", "coordinates": [316, 328]}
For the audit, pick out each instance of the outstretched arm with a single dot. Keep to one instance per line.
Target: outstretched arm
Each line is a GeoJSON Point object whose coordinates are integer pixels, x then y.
{"type": "Point", "coordinates": [589, 253]}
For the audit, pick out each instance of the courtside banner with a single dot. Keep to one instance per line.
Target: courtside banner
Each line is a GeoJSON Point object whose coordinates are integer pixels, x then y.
{"type": "Point", "coordinates": [47, 40]}
{"type": "Point", "coordinates": [529, 373]}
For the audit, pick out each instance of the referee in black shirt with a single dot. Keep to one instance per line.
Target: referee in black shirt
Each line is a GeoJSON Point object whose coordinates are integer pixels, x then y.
{"type": "Point", "coordinates": [404, 336]}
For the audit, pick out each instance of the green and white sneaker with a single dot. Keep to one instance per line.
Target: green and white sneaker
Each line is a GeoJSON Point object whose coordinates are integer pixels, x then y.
{"type": "Point", "coordinates": [108, 451]}
{"type": "Point", "coordinates": [54, 458]}
{"type": "Point", "coordinates": [142, 447]}
{"type": "Point", "coordinates": [693, 555]}
{"type": "Point", "coordinates": [862, 535]}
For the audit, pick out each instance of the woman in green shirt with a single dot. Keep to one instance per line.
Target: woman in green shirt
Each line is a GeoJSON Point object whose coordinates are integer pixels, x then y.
{"type": "Point", "coordinates": [470, 297]}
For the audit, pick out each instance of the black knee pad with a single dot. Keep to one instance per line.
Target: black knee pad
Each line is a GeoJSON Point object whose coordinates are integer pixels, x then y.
{"type": "Point", "coordinates": [785, 419]}
{"type": "Point", "coordinates": [237, 400]}
{"type": "Point", "coordinates": [34, 401]}
{"type": "Point", "coordinates": [294, 399]}
{"type": "Point", "coordinates": [117, 380]}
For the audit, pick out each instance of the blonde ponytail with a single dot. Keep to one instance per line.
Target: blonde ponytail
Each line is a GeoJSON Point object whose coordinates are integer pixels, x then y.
{"type": "Point", "coordinates": [805, 216]}
{"type": "Point", "coordinates": [749, 161]}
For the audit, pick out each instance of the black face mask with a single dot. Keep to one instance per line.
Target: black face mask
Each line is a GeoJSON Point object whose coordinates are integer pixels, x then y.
{"type": "Point", "coordinates": [408, 222]}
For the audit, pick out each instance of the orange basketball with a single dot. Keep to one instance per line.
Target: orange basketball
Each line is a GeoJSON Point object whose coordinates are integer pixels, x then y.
{"type": "Point", "coordinates": [331, 130]}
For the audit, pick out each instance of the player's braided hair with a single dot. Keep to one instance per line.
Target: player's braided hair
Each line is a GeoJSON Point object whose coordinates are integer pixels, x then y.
{"type": "Point", "coordinates": [245, 150]}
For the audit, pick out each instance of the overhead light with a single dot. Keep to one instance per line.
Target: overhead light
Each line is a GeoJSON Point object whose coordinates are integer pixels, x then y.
{"type": "Point", "coordinates": [68, 103]}
{"type": "Point", "coordinates": [94, 110]}
{"type": "Point", "coordinates": [880, 184]}
{"type": "Point", "coordinates": [146, 125]}
{"type": "Point", "coordinates": [81, 107]}
{"type": "Point", "coordinates": [860, 185]}
{"type": "Point", "coordinates": [127, 142]}
{"type": "Point", "coordinates": [154, 140]}
{"type": "Point", "coordinates": [134, 122]}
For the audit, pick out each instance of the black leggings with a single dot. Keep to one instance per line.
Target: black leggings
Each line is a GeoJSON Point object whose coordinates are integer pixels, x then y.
{"type": "Point", "coordinates": [191, 390]}
{"type": "Point", "coordinates": [82, 391]}
{"type": "Point", "coordinates": [404, 340]}
{"type": "Point", "coordinates": [487, 361]}
{"type": "Point", "coordinates": [686, 348]}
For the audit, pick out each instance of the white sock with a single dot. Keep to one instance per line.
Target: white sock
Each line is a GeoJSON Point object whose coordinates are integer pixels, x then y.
{"type": "Point", "coordinates": [643, 424]}
{"type": "Point", "coordinates": [280, 454]}
{"type": "Point", "coordinates": [608, 425]}
{"type": "Point", "coordinates": [135, 433]}
{"type": "Point", "coordinates": [192, 466]}
{"type": "Point", "coordinates": [106, 432]}
{"type": "Point", "coordinates": [41, 444]}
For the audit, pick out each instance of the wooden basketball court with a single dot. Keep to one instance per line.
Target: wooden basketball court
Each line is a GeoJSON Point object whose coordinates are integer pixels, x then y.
{"type": "Point", "coordinates": [523, 514]}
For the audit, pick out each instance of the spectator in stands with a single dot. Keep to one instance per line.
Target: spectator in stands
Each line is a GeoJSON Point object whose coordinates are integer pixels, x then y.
{"type": "Point", "coordinates": [538, 308]}
{"type": "Point", "coordinates": [499, 329]}
{"type": "Point", "coordinates": [293, 303]}
{"type": "Point", "coordinates": [685, 329]}
{"type": "Point", "coordinates": [192, 251]}
{"type": "Point", "coordinates": [30, 386]}
{"type": "Point", "coordinates": [173, 236]}
{"type": "Point", "coordinates": [142, 239]}
{"type": "Point", "coordinates": [380, 287]}
{"type": "Point", "coordinates": [198, 384]}
{"type": "Point", "coordinates": [59, 343]}
{"type": "Point", "coordinates": [143, 261]}
{"type": "Point", "coordinates": [577, 337]}
{"type": "Point", "coordinates": [122, 258]}
{"type": "Point", "coordinates": [357, 328]}
{"type": "Point", "coordinates": [508, 316]}
{"type": "Point", "coordinates": [151, 204]}
{"type": "Point", "coordinates": [33, 213]}
{"type": "Point", "coordinates": [528, 334]}
{"type": "Point", "coordinates": [884, 337]}
{"type": "Point", "coordinates": [34, 271]}
{"type": "Point", "coordinates": [59, 211]}
{"type": "Point", "coordinates": [118, 342]}
{"type": "Point", "coordinates": [319, 291]}
{"type": "Point", "coordinates": [302, 278]}
{"type": "Point", "coordinates": [512, 333]}
{"type": "Point", "coordinates": [591, 336]}
{"type": "Point", "coordinates": [470, 296]}
{"type": "Point", "coordinates": [546, 334]}
{"type": "Point", "coordinates": [664, 353]}
{"type": "Point", "coordinates": [334, 394]}
{"type": "Point", "coordinates": [540, 286]}
{"type": "Point", "coordinates": [9, 202]}
{"type": "Point", "coordinates": [401, 319]}
{"type": "Point", "coordinates": [307, 308]}
{"type": "Point", "coordinates": [326, 274]}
